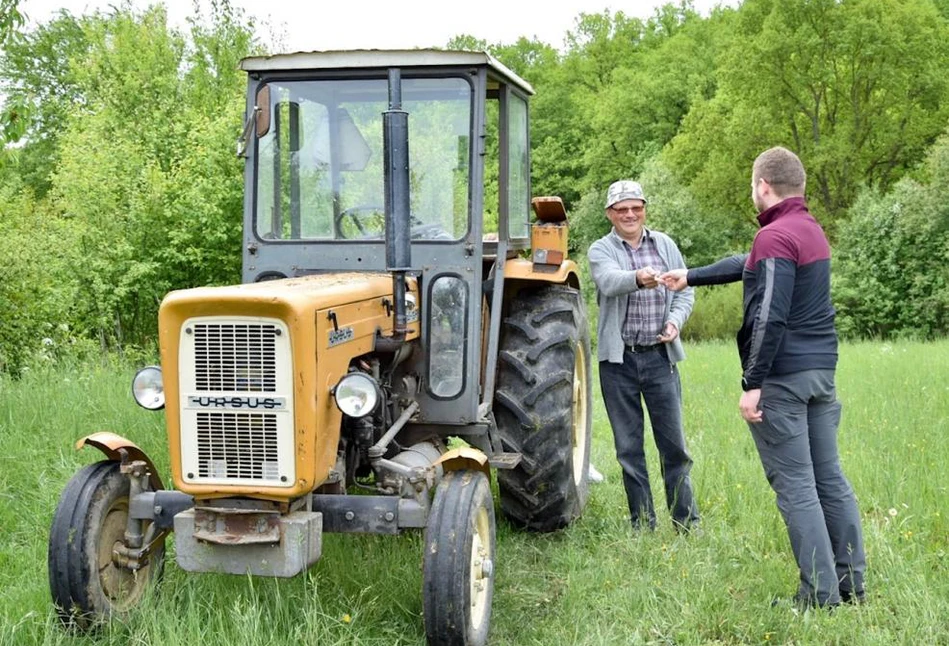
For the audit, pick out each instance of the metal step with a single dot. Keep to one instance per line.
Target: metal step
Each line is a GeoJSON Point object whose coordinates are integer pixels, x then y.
{"type": "Point", "coordinates": [504, 460]}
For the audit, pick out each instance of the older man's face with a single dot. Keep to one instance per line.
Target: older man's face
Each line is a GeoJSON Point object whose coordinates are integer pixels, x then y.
{"type": "Point", "coordinates": [628, 218]}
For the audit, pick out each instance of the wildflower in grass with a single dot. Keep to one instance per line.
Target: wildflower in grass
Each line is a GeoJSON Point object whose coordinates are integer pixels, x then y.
{"type": "Point", "coordinates": [347, 619]}
{"type": "Point", "coordinates": [893, 512]}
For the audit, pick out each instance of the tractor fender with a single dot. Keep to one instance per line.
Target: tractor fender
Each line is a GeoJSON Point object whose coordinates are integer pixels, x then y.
{"type": "Point", "coordinates": [464, 457]}
{"type": "Point", "coordinates": [518, 270]}
{"type": "Point", "coordinates": [111, 445]}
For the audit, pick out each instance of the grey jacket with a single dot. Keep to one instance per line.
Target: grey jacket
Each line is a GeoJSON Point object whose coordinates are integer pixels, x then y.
{"type": "Point", "coordinates": [615, 278]}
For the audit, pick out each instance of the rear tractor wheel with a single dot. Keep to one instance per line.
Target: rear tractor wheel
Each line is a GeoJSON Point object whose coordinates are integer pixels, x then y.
{"type": "Point", "coordinates": [458, 563]}
{"type": "Point", "coordinates": [543, 407]}
{"type": "Point", "coordinates": [87, 585]}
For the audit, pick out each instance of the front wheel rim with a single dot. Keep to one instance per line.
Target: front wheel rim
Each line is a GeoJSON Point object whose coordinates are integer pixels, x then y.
{"type": "Point", "coordinates": [481, 568]}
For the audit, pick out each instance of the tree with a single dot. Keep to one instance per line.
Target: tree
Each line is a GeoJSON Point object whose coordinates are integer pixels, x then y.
{"type": "Point", "coordinates": [856, 88]}
{"type": "Point", "coordinates": [641, 108]}
{"type": "Point", "coordinates": [10, 18]}
{"type": "Point", "coordinates": [40, 89]}
{"type": "Point", "coordinates": [147, 169]}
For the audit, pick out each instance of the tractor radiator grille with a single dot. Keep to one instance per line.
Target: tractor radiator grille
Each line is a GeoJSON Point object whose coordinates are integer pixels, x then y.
{"type": "Point", "coordinates": [236, 402]}
{"type": "Point", "coordinates": [237, 445]}
{"type": "Point", "coordinates": [238, 357]}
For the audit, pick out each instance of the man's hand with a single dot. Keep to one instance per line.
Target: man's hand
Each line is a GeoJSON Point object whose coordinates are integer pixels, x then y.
{"type": "Point", "coordinates": [647, 278]}
{"type": "Point", "coordinates": [748, 405]}
{"type": "Point", "coordinates": [675, 279]}
{"type": "Point", "coordinates": [669, 333]}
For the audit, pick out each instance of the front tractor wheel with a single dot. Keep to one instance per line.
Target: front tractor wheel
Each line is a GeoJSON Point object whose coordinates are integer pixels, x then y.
{"type": "Point", "coordinates": [543, 407]}
{"type": "Point", "coordinates": [90, 521]}
{"type": "Point", "coordinates": [458, 564]}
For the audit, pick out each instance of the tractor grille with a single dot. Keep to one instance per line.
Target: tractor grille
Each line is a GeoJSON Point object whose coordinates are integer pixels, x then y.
{"type": "Point", "coordinates": [235, 357]}
{"type": "Point", "coordinates": [236, 395]}
{"type": "Point", "coordinates": [237, 445]}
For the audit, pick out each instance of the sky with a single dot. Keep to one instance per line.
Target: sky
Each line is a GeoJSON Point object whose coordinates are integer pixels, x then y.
{"type": "Point", "coordinates": [309, 25]}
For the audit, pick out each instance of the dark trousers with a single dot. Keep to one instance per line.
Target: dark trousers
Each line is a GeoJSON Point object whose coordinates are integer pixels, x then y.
{"type": "Point", "coordinates": [651, 378]}
{"type": "Point", "coordinates": [797, 443]}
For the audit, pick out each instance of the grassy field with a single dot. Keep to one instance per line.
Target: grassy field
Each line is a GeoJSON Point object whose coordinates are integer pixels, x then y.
{"type": "Point", "coordinates": [594, 583]}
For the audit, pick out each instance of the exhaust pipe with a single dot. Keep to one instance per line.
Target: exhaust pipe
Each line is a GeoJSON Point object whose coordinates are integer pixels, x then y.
{"type": "Point", "coordinates": [395, 142]}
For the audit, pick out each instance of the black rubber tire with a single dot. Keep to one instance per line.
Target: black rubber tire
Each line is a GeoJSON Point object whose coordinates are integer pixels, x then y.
{"type": "Point", "coordinates": [459, 555]}
{"type": "Point", "coordinates": [87, 588]}
{"type": "Point", "coordinates": [543, 407]}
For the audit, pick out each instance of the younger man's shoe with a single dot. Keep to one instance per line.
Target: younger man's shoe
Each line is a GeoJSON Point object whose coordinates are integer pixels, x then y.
{"type": "Point", "coordinates": [854, 598]}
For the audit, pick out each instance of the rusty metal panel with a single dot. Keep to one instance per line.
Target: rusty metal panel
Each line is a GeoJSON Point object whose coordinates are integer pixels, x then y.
{"type": "Point", "coordinates": [236, 527]}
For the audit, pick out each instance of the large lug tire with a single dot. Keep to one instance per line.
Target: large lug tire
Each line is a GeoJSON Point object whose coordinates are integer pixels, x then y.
{"type": "Point", "coordinates": [86, 585]}
{"type": "Point", "coordinates": [543, 407]}
{"type": "Point", "coordinates": [458, 563]}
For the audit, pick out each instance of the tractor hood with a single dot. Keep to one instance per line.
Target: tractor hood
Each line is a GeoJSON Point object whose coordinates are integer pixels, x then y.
{"type": "Point", "coordinates": [306, 293]}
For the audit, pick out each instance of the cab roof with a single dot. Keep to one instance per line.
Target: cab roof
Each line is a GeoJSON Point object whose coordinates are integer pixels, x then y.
{"type": "Point", "coordinates": [382, 58]}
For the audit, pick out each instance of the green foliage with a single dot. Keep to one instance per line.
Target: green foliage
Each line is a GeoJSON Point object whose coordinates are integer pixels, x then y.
{"type": "Point", "coordinates": [716, 314]}
{"type": "Point", "coordinates": [123, 184]}
{"type": "Point", "coordinates": [649, 93]}
{"type": "Point", "coordinates": [701, 236]}
{"type": "Point", "coordinates": [147, 167]}
{"type": "Point", "coordinates": [40, 88]}
{"type": "Point", "coordinates": [10, 18]}
{"type": "Point", "coordinates": [35, 290]}
{"type": "Point", "coordinates": [588, 222]}
{"type": "Point", "coordinates": [892, 260]}
{"type": "Point", "coordinates": [857, 89]}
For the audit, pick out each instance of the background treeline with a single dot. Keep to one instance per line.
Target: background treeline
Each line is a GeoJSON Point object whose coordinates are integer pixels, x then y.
{"type": "Point", "coordinates": [119, 180]}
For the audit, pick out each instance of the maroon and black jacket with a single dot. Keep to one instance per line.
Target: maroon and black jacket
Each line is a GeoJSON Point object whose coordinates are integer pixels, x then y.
{"type": "Point", "coordinates": [788, 323]}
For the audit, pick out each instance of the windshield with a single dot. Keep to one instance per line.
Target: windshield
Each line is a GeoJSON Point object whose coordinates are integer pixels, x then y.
{"type": "Point", "coordinates": [319, 171]}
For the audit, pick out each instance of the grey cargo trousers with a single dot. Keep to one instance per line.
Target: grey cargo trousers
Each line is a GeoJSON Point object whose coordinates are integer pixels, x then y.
{"type": "Point", "coordinates": [797, 443]}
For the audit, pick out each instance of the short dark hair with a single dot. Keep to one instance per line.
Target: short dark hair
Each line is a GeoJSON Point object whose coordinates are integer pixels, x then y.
{"type": "Point", "coordinates": [782, 169]}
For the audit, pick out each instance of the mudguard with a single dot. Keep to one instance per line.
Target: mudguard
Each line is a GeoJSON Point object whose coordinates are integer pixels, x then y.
{"type": "Point", "coordinates": [464, 457]}
{"type": "Point", "coordinates": [111, 445]}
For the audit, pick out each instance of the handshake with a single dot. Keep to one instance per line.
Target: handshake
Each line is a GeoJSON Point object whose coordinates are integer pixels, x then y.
{"type": "Point", "coordinates": [650, 278]}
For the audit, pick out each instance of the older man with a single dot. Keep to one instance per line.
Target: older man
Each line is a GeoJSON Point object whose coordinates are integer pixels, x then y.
{"type": "Point", "coordinates": [638, 348]}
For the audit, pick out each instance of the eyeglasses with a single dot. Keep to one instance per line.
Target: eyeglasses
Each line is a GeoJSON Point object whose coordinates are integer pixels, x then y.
{"type": "Point", "coordinates": [628, 209]}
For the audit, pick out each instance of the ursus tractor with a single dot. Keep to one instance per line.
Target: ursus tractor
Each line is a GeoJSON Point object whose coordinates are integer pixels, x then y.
{"type": "Point", "coordinates": [408, 324]}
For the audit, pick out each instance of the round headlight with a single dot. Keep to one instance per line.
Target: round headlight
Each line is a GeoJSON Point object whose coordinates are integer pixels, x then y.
{"type": "Point", "coordinates": [356, 394]}
{"type": "Point", "coordinates": [148, 389]}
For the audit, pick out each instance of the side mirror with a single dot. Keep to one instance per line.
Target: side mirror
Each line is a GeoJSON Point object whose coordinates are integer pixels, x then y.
{"type": "Point", "coordinates": [263, 111]}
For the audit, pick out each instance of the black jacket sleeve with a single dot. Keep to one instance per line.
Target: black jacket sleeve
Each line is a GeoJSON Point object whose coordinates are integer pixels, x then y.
{"type": "Point", "coordinates": [773, 292]}
{"type": "Point", "coordinates": [726, 270]}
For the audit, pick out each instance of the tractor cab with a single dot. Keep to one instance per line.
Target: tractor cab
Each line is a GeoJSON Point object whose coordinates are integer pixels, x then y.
{"type": "Point", "coordinates": [438, 140]}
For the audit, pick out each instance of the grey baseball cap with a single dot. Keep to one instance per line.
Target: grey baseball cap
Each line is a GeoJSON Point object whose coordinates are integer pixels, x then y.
{"type": "Point", "coordinates": [625, 189]}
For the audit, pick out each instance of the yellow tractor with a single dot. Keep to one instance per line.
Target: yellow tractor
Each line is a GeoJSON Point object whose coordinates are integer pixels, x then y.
{"type": "Point", "coordinates": [408, 324]}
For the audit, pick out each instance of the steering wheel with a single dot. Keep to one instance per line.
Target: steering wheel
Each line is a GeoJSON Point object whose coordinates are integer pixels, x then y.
{"type": "Point", "coordinates": [419, 231]}
{"type": "Point", "coordinates": [353, 213]}
{"type": "Point", "coordinates": [431, 231]}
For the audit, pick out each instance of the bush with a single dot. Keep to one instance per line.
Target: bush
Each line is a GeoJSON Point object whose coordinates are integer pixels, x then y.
{"type": "Point", "coordinates": [716, 315]}
{"type": "Point", "coordinates": [37, 287]}
{"type": "Point", "coordinates": [892, 258]}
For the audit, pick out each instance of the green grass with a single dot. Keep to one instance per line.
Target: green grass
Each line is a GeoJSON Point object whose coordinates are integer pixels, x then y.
{"type": "Point", "coordinates": [593, 583]}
